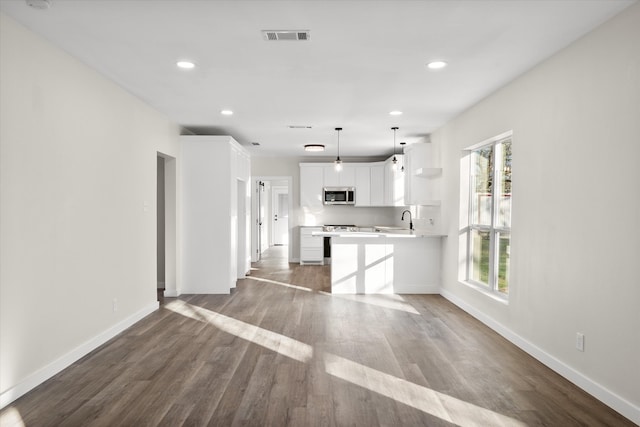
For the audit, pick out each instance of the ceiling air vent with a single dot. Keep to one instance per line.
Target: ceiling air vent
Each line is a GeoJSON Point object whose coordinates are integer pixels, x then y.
{"type": "Point", "coordinates": [278, 35]}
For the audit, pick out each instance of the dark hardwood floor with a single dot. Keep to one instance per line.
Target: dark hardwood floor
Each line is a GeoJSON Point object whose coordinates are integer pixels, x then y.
{"type": "Point", "coordinates": [281, 350]}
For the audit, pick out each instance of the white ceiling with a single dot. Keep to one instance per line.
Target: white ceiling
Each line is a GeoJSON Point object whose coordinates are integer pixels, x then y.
{"type": "Point", "coordinates": [363, 60]}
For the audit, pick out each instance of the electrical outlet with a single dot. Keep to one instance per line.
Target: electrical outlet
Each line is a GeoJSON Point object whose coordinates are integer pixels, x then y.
{"type": "Point", "coordinates": [115, 305]}
{"type": "Point", "coordinates": [430, 221]}
{"type": "Point", "coordinates": [579, 341]}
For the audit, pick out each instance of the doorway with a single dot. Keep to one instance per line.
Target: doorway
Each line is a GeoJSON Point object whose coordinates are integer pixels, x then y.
{"type": "Point", "coordinates": [280, 216]}
{"type": "Point", "coordinates": [166, 285]}
{"type": "Point", "coordinates": [271, 208]}
{"type": "Point", "coordinates": [243, 232]}
{"type": "Point", "coordinates": [160, 225]}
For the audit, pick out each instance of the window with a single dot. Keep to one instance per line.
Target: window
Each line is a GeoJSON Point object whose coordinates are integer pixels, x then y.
{"type": "Point", "coordinates": [489, 236]}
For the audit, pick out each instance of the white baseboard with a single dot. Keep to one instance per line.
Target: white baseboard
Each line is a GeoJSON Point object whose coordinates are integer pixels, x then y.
{"type": "Point", "coordinates": [48, 371]}
{"type": "Point", "coordinates": [417, 289]}
{"type": "Point", "coordinates": [601, 393]}
{"type": "Point", "coordinates": [171, 293]}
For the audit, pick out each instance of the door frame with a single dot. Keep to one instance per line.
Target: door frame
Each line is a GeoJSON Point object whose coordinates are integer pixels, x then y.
{"type": "Point", "coordinates": [171, 285]}
{"type": "Point", "coordinates": [254, 213]}
{"type": "Point", "coordinates": [276, 190]}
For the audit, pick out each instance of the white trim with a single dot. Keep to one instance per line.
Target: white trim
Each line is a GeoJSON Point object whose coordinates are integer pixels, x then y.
{"type": "Point", "coordinates": [598, 391]}
{"type": "Point", "coordinates": [417, 289]}
{"type": "Point", "coordinates": [43, 374]}
{"type": "Point", "coordinates": [484, 290]}
{"type": "Point", "coordinates": [171, 293]}
{"type": "Point", "coordinates": [491, 140]}
{"type": "Point", "coordinates": [289, 180]}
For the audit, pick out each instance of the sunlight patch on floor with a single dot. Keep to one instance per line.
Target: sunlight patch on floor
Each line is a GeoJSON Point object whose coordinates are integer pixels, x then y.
{"type": "Point", "coordinates": [273, 341]}
{"type": "Point", "coordinates": [286, 285]}
{"type": "Point", "coordinates": [11, 418]}
{"type": "Point", "coordinates": [429, 401]}
{"type": "Point", "coordinates": [394, 302]}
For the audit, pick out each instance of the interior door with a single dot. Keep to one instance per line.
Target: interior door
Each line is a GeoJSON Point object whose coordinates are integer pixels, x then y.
{"type": "Point", "coordinates": [280, 216]}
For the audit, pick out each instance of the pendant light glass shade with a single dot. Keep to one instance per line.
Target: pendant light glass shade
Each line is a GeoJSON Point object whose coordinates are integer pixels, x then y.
{"type": "Point", "coordinates": [337, 162]}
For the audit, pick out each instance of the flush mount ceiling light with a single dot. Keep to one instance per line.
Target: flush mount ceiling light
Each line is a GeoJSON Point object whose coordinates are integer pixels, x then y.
{"type": "Point", "coordinates": [226, 112]}
{"type": "Point", "coordinates": [395, 113]}
{"type": "Point", "coordinates": [337, 162]}
{"type": "Point", "coordinates": [39, 4]}
{"type": "Point", "coordinates": [314, 147]}
{"type": "Point", "coordinates": [394, 161]}
{"type": "Point", "coordinates": [185, 65]}
{"type": "Point", "coordinates": [436, 65]}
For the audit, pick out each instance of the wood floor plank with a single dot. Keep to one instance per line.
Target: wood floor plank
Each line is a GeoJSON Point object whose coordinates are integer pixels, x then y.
{"type": "Point", "coordinates": [282, 351]}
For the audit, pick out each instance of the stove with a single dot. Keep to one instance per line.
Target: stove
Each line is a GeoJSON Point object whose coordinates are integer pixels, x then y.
{"type": "Point", "coordinates": [340, 227]}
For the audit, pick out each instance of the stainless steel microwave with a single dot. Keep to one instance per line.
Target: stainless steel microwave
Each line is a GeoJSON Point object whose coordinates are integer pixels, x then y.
{"type": "Point", "coordinates": [339, 195]}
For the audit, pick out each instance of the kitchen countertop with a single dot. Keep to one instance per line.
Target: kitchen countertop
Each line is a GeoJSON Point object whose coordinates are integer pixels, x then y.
{"type": "Point", "coordinates": [391, 232]}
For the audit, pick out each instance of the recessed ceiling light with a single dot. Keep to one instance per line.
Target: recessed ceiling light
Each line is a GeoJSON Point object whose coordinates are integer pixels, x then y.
{"type": "Point", "coordinates": [226, 112]}
{"type": "Point", "coordinates": [187, 65]}
{"type": "Point", "coordinates": [314, 147]}
{"type": "Point", "coordinates": [299, 127]}
{"type": "Point", "coordinates": [39, 4]}
{"type": "Point", "coordinates": [436, 65]}
{"type": "Point", "coordinates": [395, 113]}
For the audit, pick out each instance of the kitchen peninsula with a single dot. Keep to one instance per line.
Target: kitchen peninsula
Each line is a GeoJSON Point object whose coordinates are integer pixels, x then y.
{"type": "Point", "coordinates": [391, 262]}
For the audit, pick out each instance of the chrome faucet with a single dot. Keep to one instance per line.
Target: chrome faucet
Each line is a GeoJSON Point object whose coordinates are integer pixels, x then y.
{"type": "Point", "coordinates": [410, 220]}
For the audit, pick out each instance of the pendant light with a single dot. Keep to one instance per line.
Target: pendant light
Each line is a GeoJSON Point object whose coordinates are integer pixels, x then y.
{"type": "Point", "coordinates": [402, 144]}
{"type": "Point", "coordinates": [394, 161]}
{"type": "Point", "coordinates": [338, 163]}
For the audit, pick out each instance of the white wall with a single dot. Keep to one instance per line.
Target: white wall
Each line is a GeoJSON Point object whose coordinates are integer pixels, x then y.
{"type": "Point", "coordinates": [576, 210]}
{"type": "Point", "coordinates": [211, 242]}
{"type": "Point", "coordinates": [289, 166]}
{"type": "Point", "coordinates": [78, 208]}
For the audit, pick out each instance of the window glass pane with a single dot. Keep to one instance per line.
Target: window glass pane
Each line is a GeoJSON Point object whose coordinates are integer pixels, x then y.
{"type": "Point", "coordinates": [479, 270]}
{"type": "Point", "coordinates": [503, 215]}
{"type": "Point", "coordinates": [481, 186]}
{"type": "Point", "coordinates": [504, 251]}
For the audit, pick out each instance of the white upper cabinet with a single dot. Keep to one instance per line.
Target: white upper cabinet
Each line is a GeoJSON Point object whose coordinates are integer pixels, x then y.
{"type": "Point", "coordinates": [363, 185]}
{"type": "Point", "coordinates": [311, 183]}
{"type": "Point", "coordinates": [423, 176]}
{"type": "Point", "coordinates": [377, 184]}
{"type": "Point", "coordinates": [394, 182]}
{"type": "Point", "coordinates": [331, 176]}
{"type": "Point", "coordinates": [345, 178]}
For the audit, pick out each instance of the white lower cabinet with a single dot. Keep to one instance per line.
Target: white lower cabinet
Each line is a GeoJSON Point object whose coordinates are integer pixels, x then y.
{"type": "Point", "coordinates": [311, 247]}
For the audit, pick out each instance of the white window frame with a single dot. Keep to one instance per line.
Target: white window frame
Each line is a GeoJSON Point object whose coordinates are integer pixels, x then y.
{"type": "Point", "coordinates": [494, 231]}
